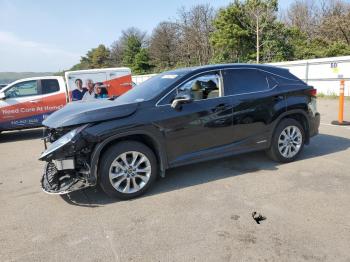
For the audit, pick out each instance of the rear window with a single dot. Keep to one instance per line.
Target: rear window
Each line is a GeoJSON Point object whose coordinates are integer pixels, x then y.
{"type": "Point", "coordinates": [49, 86]}
{"type": "Point", "coordinates": [241, 81]}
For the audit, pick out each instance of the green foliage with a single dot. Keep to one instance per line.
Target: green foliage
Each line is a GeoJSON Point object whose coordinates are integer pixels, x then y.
{"type": "Point", "coordinates": [141, 64]}
{"type": "Point", "coordinates": [132, 48]}
{"type": "Point", "coordinates": [337, 49]}
{"type": "Point", "coordinates": [236, 29]}
{"type": "Point", "coordinates": [231, 40]}
{"type": "Point", "coordinates": [305, 48]}
{"type": "Point", "coordinates": [99, 57]}
{"type": "Point", "coordinates": [278, 43]}
{"type": "Point", "coordinates": [135, 56]}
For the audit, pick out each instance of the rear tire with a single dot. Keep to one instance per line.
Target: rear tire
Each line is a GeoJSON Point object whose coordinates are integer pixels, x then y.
{"type": "Point", "coordinates": [287, 141]}
{"type": "Point", "coordinates": [127, 170]}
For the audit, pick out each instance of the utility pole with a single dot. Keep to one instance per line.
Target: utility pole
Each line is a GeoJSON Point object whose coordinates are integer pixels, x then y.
{"type": "Point", "coordinates": [257, 40]}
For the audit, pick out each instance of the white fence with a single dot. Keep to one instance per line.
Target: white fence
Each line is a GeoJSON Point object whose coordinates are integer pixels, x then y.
{"type": "Point", "coordinates": [138, 79]}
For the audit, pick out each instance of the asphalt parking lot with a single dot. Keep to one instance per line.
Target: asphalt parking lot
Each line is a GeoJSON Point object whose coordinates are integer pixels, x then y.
{"type": "Point", "coordinates": [200, 212]}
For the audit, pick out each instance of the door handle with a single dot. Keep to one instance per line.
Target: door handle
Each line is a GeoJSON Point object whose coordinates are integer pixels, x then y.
{"type": "Point", "coordinates": [34, 101]}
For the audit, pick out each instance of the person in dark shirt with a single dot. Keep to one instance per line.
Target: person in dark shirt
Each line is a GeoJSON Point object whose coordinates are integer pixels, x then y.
{"type": "Point", "coordinates": [78, 93]}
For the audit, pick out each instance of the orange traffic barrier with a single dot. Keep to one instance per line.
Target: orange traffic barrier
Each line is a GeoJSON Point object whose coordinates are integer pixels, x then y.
{"type": "Point", "coordinates": [341, 106]}
{"type": "Point", "coordinates": [341, 102]}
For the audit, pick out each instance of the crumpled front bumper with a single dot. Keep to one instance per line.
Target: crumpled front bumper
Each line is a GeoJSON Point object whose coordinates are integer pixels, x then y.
{"type": "Point", "coordinates": [67, 167]}
{"type": "Point", "coordinates": [58, 180]}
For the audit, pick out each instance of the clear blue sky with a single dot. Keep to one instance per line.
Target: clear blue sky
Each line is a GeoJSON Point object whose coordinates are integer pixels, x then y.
{"type": "Point", "coordinates": [51, 35]}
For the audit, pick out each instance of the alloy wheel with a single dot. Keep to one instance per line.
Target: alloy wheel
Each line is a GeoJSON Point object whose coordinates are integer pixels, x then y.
{"type": "Point", "coordinates": [130, 172]}
{"type": "Point", "coordinates": [290, 141]}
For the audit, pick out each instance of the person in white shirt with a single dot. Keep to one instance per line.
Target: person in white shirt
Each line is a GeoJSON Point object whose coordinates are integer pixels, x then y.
{"type": "Point", "coordinates": [89, 94]}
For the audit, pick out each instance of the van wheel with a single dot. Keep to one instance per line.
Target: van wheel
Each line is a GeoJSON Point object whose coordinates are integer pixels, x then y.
{"type": "Point", "coordinates": [127, 170]}
{"type": "Point", "coordinates": [287, 141]}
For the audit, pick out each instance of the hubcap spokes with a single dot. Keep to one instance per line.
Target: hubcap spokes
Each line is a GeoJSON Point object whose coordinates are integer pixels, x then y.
{"type": "Point", "coordinates": [290, 141]}
{"type": "Point", "coordinates": [130, 172]}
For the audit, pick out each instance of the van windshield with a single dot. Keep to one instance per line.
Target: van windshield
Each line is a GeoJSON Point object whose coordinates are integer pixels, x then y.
{"type": "Point", "coordinates": [150, 88]}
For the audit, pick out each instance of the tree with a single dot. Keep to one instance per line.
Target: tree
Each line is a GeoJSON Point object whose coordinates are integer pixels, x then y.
{"type": "Point", "coordinates": [164, 48]}
{"type": "Point", "coordinates": [260, 15]}
{"type": "Point", "coordinates": [195, 29]}
{"type": "Point", "coordinates": [231, 40]}
{"type": "Point", "coordinates": [278, 43]}
{"type": "Point", "coordinates": [324, 28]}
{"type": "Point", "coordinates": [141, 63]}
{"type": "Point", "coordinates": [99, 57]}
{"type": "Point", "coordinates": [305, 16]}
{"type": "Point", "coordinates": [335, 23]}
{"type": "Point", "coordinates": [131, 49]}
{"type": "Point", "coordinates": [118, 47]}
{"type": "Point", "coordinates": [245, 29]}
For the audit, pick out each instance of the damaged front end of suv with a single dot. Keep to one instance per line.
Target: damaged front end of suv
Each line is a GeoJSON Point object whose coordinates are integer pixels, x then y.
{"type": "Point", "coordinates": [67, 157]}
{"type": "Point", "coordinates": [70, 142]}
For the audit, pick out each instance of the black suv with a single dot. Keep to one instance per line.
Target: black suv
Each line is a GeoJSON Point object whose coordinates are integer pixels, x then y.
{"type": "Point", "coordinates": [176, 118]}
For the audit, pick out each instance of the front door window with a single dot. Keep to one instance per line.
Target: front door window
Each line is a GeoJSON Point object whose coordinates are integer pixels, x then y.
{"type": "Point", "coordinates": [202, 87]}
{"type": "Point", "coordinates": [23, 89]}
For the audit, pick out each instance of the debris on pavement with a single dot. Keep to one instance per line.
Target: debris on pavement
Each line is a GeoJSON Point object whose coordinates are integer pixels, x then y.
{"type": "Point", "coordinates": [258, 217]}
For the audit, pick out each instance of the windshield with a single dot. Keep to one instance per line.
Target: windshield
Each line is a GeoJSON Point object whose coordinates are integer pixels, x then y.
{"type": "Point", "coordinates": [150, 88]}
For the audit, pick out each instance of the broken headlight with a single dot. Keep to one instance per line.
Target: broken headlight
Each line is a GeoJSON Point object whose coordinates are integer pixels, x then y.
{"type": "Point", "coordinates": [62, 141]}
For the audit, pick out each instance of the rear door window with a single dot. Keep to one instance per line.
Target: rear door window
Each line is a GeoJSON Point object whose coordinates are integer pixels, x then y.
{"type": "Point", "coordinates": [49, 86]}
{"type": "Point", "coordinates": [243, 81]}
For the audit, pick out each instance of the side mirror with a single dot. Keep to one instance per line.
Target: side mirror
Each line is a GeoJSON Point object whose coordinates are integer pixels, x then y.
{"type": "Point", "coordinates": [181, 99]}
{"type": "Point", "coordinates": [2, 96]}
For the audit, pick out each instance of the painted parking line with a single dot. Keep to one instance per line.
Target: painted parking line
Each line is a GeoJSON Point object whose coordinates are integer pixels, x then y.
{"type": "Point", "coordinates": [326, 124]}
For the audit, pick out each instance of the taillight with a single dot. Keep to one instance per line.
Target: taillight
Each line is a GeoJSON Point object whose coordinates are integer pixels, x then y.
{"type": "Point", "coordinates": [312, 92]}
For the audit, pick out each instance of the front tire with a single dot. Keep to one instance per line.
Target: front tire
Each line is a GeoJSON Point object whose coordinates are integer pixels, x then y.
{"type": "Point", "coordinates": [287, 141]}
{"type": "Point", "coordinates": [127, 170]}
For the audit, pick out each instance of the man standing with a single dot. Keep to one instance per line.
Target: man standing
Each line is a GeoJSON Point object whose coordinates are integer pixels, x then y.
{"type": "Point", "coordinates": [89, 94]}
{"type": "Point", "coordinates": [78, 93]}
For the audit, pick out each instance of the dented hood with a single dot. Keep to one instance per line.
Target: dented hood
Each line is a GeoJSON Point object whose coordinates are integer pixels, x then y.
{"type": "Point", "coordinates": [82, 112]}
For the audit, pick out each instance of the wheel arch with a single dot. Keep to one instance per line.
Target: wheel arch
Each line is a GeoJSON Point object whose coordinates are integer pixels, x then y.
{"type": "Point", "coordinates": [140, 136]}
{"type": "Point", "coordinates": [300, 116]}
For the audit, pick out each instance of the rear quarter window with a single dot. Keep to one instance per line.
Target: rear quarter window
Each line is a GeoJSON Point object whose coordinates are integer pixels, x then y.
{"type": "Point", "coordinates": [242, 81]}
{"type": "Point", "coordinates": [287, 78]}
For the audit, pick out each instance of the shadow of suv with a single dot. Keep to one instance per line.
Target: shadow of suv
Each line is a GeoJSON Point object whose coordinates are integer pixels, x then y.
{"type": "Point", "coordinates": [176, 118]}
